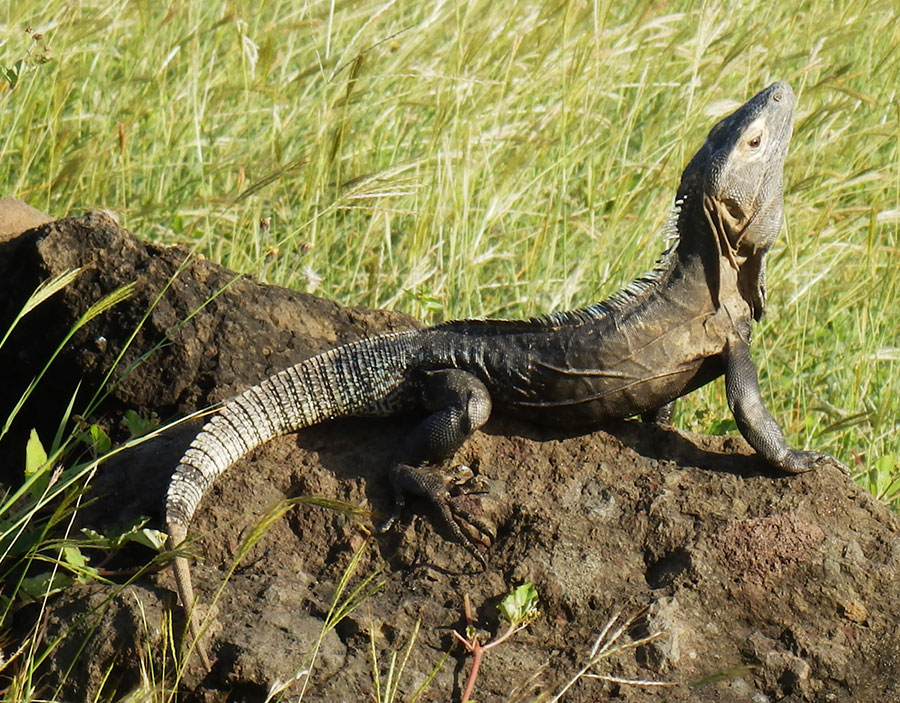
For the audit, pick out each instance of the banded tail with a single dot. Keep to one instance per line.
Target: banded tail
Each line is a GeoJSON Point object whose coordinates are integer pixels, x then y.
{"type": "Point", "coordinates": [365, 377]}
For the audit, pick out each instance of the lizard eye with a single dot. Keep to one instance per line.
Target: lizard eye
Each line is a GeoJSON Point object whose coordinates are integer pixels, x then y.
{"type": "Point", "coordinates": [754, 143]}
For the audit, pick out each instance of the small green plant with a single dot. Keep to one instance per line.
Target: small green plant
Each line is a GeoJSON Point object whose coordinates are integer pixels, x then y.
{"type": "Point", "coordinates": [93, 436]}
{"type": "Point", "coordinates": [139, 424]}
{"type": "Point", "coordinates": [518, 608]}
{"type": "Point", "coordinates": [135, 533]}
{"type": "Point", "coordinates": [37, 53]}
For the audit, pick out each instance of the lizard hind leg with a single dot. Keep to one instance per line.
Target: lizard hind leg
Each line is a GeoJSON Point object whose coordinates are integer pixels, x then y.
{"type": "Point", "coordinates": [458, 403]}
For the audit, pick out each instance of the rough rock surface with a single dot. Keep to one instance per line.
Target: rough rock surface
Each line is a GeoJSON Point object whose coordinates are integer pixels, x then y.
{"type": "Point", "coordinates": [763, 587]}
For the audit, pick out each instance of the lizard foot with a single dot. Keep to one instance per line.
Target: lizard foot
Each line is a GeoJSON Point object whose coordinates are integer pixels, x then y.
{"type": "Point", "coordinates": [464, 526]}
{"type": "Point", "coordinates": [798, 462]}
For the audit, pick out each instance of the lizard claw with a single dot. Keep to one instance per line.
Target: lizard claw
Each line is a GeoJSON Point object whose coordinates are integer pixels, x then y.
{"type": "Point", "coordinates": [798, 462]}
{"type": "Point", "coordinates": [464, 526]}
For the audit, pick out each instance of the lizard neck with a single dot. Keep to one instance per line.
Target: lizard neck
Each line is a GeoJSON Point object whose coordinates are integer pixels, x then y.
{"type": "Point", "coordinates": [735, 279]}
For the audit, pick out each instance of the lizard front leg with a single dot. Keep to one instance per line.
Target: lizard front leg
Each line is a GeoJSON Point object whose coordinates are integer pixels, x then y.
{"type": "Point", "coordinates": [459, 404]}
{"type": "Point", "coordinates": [755, 422]}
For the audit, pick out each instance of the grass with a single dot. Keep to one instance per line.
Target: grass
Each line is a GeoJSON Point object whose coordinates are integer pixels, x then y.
{"type": "Point", "coordinates": [454, 159]}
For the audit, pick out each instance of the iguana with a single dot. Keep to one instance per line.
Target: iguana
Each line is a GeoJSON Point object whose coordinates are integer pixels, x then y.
{"type": "Point", "coordinates": [661, 337]}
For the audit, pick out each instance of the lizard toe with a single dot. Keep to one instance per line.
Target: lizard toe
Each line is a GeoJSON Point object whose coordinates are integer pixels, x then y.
{"type": "Point", "coordinates": [802, 461]}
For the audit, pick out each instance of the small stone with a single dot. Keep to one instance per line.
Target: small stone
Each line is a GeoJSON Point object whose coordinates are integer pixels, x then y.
{"type": "Point", "coordinates": [854, 610]}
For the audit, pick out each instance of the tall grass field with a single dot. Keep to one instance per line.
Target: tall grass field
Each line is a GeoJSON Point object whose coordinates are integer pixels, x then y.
{"type": "Point", "coordinates": [453, 159]}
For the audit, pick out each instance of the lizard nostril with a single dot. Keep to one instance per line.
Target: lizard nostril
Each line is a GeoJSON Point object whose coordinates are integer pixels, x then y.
{"type": "Point", "coordinates": [777, 97]}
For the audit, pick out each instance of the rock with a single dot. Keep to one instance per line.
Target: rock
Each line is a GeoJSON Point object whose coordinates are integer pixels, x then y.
{"type": "Point", "coordinates": [16, 217]}
{"type": "Point", "coordinates": [765, 587]}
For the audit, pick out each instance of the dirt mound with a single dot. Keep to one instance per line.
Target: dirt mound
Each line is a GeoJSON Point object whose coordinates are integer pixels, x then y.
{"type": "Point", "coordinates": [763, 587]}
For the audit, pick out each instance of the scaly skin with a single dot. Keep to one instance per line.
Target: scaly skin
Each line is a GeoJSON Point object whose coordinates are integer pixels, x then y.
{"type": "Point", "coordinates": [663, 336]}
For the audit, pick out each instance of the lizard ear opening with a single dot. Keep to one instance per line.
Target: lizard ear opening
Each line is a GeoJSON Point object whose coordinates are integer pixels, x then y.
{"type": "Point", "coordinates": [734, 210]}
{"type": "Point", "coordinates": [732, 220]}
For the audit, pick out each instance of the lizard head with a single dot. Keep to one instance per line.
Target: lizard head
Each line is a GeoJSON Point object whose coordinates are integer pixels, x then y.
{"type": "Point", "coordinates": [744, 172]}
{"type": "Point", "coordinates": [739, 173]}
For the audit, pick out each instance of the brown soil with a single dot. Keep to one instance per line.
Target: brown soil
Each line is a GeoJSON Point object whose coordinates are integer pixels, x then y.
{"type": "Point", "coordinates": [763, 587]}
